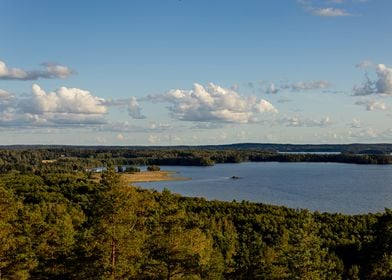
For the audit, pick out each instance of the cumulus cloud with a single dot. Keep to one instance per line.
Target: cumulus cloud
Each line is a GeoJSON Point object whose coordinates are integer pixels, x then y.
{"type": "Point", "coordinates": [134, 109]}
{"type": "Point", "coordinates": [51, 71]}
{"type": "Point", "coordinates": [382, 85]}
{"type": "Point", "coordinates": [305, 122]}
{"type": "Point", "coordinates": [372, 105]}
{"type": "Point", "coordinates": [328, 12]}
{"type": "Point", "coordinates": [63, 100]}
{"type": "Point", "coordinates": [213, 104]}
{"type": "Point", "coordinates": [63, 107]}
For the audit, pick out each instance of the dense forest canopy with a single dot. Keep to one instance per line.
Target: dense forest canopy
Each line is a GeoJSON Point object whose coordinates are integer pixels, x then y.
{"type": "Point", "coordinates": [59, 222]}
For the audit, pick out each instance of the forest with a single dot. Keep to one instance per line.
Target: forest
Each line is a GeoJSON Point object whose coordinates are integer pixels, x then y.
{"type": "Point", "coordinates": [68, 158]}
{"type": "Point", "coordinates": [58, 222]}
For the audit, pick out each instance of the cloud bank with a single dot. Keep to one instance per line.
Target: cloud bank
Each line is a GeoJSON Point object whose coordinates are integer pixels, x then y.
{"type": "Point", "coordinates": [213, 104]}
{"type": "Point", "coordinates": [299, 86]}
{"type": "Point", "coordinates": [305, 122]}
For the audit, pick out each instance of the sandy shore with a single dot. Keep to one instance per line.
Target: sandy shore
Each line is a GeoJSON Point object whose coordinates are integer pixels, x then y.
{"type": "Point", "coordinates": [151, 176]}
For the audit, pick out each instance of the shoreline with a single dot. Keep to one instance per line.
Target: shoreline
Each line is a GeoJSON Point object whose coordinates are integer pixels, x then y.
{"type": "Point", "coordinates": [151, 176]}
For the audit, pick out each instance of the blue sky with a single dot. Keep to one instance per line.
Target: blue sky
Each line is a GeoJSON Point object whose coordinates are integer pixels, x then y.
{"type": "Point", "coordinates": [173, 72]}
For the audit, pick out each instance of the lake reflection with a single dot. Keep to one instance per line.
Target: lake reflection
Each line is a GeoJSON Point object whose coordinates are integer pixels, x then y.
{"type": "Point", "coordinates": [329, 187]}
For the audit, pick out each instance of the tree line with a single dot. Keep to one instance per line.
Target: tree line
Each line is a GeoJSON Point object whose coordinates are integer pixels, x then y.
{"type": "Point", "coordinates": [71, 159]}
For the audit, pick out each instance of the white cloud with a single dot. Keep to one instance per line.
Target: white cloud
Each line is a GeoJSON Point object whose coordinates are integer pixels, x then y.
{"type": "Point", "coordinates": [300, 86]}
{"type": "Point", "coordinates": [272, 88]}
{"type": "Point", "coordinates": [297, 121]}
{"type": "Point", "coordinates": [335, 1]}
{"type": "Point", "coordinates": [328, 8]}
{"type": "Point", "coordinates": [366, 134]}
{"type": "Point", "coordinates": [172, 139]}
{"type": "Point", "coordinates": [208, 125]}
{"type": "Point", "coordinates": [126, 127]}
{"type": "Point", "coordinates": [213, 104]}
{"type": "Point", "coordinates": [134, 109]}
{"type": "Point", "coordinates": [52, 71]}
{"type": "Point", "coordinates": [57, 71]}
{"type": "Point", "coordinates": [6, 99]}
{"type": "Point", "coordinates": [11, 73]}
{"type": "Point", "coordinates": [5, 95]}
{"type": "Point", "coordinates": [383, 84]}
{"type": "Point", "coordinates": [63, 107]}
{"type": "Point", "coordinates": [159, 126]}
{"type": "Point", "coordinates": [64, 100]}
{"type": "Point", "coordinates": [100, 139]}
{"type": "Point", "coordinates": [328, 12]}
{"type": "Point", "coordinates": [120, 137]}
{"type": "Point", "coordinates": [355, 123]}
{"type": "Point", "coordinates": [365, 64]}
{"type": "Point", "coordinates": [153, 139]}
{"type": "Point", "coordinates": [372, 105]}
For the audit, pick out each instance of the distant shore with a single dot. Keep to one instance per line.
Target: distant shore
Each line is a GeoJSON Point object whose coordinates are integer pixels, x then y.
{"type": "Point", "coordinates": [151, 176]}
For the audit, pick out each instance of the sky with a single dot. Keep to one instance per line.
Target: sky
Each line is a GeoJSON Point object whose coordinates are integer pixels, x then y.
{"type": "Point", "coordinates": [192, 72]}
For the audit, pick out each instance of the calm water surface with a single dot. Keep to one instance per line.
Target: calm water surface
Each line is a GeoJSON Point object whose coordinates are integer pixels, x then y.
{"type": "Point", "coordinates": [329, 187]}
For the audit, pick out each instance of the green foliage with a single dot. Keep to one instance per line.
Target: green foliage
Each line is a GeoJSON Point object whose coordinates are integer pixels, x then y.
{"type": "Point", "coordinates": [132, 169]}
{"type": "Point", "coordinates": [380, 249]}
{"type": "Point", "coordinates": [65, 225]}
{"type": "Point", "coordinates": [153, 168]}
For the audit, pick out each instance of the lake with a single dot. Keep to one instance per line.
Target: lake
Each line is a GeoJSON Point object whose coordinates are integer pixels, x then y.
{"type": "Point", "coordinates": [326, 187]}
